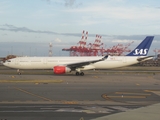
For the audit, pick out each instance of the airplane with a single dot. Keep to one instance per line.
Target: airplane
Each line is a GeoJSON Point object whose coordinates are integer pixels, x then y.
{"type": "Point", "coordinates": [61, 65]}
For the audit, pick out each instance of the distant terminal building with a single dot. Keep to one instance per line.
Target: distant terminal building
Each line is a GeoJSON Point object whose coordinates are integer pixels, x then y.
{"type": "Point", "coordinates": [152, 63]}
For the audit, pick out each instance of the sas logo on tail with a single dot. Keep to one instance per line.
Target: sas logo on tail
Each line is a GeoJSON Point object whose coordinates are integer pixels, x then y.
{"type": "Point", "coordinates": [140, 51]}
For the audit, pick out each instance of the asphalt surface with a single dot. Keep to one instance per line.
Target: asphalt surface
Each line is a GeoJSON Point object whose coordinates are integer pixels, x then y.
{"type": "Point", "coordinates": [40, 95]}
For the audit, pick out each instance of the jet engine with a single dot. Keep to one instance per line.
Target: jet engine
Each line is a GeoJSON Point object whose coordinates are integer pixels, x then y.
{"type": "Point", "coordinates": [61, 69]}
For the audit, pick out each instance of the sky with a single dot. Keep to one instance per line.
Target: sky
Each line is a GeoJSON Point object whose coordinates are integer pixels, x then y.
{"type": "Point", "coordinates": [28, 26]}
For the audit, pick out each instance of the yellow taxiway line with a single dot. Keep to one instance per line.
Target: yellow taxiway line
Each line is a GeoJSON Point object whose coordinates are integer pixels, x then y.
{"type": "Point", "coordinates": [31, 81]}
{"type": "Point", "coordinates": [126, 96]}
{"type": "Point", "coordinates": [129, 93]}
{"type": "Point", "coordinates": [24, 91]}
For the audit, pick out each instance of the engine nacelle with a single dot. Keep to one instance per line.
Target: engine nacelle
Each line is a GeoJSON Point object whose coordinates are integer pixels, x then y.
{"type": "Point", "coordinates": [61, 69]}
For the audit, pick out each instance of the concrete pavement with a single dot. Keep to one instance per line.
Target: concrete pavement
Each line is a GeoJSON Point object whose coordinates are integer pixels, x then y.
{"type": "Point", "coordinates": [151, 112]}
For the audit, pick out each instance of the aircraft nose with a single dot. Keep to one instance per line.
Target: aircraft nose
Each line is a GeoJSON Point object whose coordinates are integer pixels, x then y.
{"type": "Point", "coordinates": [5, 63]}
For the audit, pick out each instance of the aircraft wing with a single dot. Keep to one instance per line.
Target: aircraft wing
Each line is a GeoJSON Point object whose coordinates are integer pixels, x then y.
{"type": "Point", "coordinates": [145, 58]}
{"type": "Point", "coordinates": [80, 64]}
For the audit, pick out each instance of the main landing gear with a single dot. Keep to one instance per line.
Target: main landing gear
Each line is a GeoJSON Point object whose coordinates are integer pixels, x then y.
{"type": "Point", "coordinates": [79, 73]}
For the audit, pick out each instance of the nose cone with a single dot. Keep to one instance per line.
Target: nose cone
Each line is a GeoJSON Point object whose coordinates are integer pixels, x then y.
{"type": "Point", "coordinates": [4, 63]}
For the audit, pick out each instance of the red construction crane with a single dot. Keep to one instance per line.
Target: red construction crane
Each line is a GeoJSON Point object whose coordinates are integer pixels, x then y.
{"type": "Point", "coordinates": [97, 48]}
{"type": "Point", "coordinates": [119, 49]}
{"type": "Point", "coordinates": [157, 51]}
{"type": "Point", "coordinates": [80, 49]}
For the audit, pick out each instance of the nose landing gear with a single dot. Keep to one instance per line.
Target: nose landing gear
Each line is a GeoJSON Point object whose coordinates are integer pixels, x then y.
{"type": "Point", "coordinates": [18, 72]}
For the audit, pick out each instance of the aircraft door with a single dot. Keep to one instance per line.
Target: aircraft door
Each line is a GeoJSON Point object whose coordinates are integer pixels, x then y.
{"type": "Point", "coordinates": [44, 61]}
{"type": "Point", "coordinates": [124, 59]}
{"type": "Point", "coordinates": [17, 61]}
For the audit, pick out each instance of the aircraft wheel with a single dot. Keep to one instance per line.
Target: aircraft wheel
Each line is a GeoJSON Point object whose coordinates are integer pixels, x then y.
{"type": "Point", "coordinates": [82, 74]}
{"type": "Point", "coordinates": [18, 72]}
{"type": "Point", "coordinates": [77, 73]}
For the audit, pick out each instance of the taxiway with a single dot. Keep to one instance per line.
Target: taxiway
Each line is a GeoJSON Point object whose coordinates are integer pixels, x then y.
{"type": "Point", "coordinates": [68, 97]}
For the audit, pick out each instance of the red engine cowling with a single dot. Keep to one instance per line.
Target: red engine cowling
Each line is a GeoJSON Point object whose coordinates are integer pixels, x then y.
{"type": "Point", "coordinates": [61, 69]}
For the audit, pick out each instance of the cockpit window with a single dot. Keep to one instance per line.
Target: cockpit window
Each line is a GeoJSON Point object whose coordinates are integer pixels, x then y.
{"type": "Point", "coordinates": [8, 60]}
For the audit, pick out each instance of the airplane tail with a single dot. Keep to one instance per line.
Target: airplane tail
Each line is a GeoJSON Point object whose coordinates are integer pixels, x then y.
{"type": "Point", "coordinates": [143, 48]}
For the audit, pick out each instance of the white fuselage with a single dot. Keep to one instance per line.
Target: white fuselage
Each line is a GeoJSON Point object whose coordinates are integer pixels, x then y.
{"type": "Point", "coordinates": [50, 62]}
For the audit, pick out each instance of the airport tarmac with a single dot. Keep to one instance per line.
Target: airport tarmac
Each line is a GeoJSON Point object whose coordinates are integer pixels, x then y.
{"type": "Point", "coordinates": [38, 96]}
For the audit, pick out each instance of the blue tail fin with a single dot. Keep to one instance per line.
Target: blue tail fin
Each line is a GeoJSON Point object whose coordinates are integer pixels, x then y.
{"type": "Point", "coordinates": [143, 48]}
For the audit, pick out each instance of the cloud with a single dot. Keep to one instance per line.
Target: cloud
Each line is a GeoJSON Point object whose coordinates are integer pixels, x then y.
{"type": "Point", "coordinates": [58, 40]}
{"type": "Point", "coordinates": [66, 3]}
{"type": "Point", "coordinates": [7, 27]}
{"type": "Point", "coordinates": [4, 34]}
{"type": "Point", "coordinates": [71, 3]}
{"type": "Point", "coordinates": [48, 1]}
{"type": "Point", "coordinates": [12, 28]}
{"type": "Point", "coordinates": [107, 11]}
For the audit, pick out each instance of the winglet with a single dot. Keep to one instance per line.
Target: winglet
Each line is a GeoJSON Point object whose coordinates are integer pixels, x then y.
{"type": "Point", "coordinates": [105, 57]}
{"type": "Point", "coordinates": [143, 48]}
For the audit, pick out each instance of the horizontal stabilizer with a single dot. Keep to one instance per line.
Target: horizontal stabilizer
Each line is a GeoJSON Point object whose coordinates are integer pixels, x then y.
{"type": "Point", "coordinates": [145, 58]}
